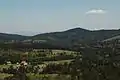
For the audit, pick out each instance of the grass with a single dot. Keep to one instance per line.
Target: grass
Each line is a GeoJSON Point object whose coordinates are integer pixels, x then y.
{"type": "Point", "coordinates": [45, 76]}
{"type": "Point", "coordinates": [48, 77]}
{"type": "Point", "coordinates": [58, 62]}
{"type": "Point", "coordinates": [6, 66]}
{"type": "Point", "coordinates": [32, 76]}
{"type": "Point", "coordinates": [2, 75]}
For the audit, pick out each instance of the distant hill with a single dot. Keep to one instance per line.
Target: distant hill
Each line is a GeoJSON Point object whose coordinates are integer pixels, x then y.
{"type": "Point", "coordinates": [68, 37]}
{"type": "Point", "coordinates": [5, 36]}
{"type": "Point", "coordinates": [76, 35]}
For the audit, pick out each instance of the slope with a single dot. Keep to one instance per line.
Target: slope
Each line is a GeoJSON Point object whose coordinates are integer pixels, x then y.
{"type": "Point", "coordinates": [76, 35]}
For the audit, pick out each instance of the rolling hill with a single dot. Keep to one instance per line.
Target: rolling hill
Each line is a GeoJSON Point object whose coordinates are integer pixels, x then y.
{"type": "Point", "coordinates": [68, 37]}
{"type": "Point", "coordinates": [79, 35]}
{"type": "Point", "coordinates": [5, 36]}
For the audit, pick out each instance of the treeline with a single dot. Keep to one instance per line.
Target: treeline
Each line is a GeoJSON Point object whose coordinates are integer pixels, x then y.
{"type": "Point", "coordinates": [31, 46]}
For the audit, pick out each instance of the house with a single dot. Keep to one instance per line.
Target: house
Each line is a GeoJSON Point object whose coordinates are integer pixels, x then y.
{"type": "Point", "coordinates": [8, 63]}
{"type": "Point", "coordinates": [24, 63]}
{"type": "Point", "coordinates": [39, 41]}
{"type": "Point", "coordinates": [27, 41]}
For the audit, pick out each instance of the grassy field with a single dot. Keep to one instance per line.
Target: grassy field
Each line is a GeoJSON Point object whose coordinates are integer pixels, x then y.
{"type": "Point", "coordinates": [32, 76]}
{"type": "Point", "coordinates": [45, 76]}
{"type": "Point", "coordinates": [48, 77]}
{"type": "Point", "coordinates": [58, 62]}
{"type": "Point", "coordinates": [2, 76]}
{"type": "Point", "coordinates": [7, 66]}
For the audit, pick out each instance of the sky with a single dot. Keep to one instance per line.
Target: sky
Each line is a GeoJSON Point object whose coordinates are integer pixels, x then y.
{"type": "Point", "coordinates": [29, 17]}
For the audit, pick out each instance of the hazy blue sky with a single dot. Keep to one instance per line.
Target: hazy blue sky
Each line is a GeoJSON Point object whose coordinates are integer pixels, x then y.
{"type": "Point", "coordinates": [57, 15]}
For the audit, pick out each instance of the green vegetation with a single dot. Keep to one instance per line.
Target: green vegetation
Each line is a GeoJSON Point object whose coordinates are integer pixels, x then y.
{"type": "Point", "coordinates": [78, 57]}
{"type": "Point", "coordinates": [3, 75]}
{"type": "Point", "coordinates": [48, 77]}
{"type": "Point", "coordinates": [93, 63]}
{"type": "Point", "coordinates": [64, 39]}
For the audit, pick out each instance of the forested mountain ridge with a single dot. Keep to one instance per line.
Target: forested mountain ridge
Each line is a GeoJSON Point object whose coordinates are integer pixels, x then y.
{"type": "Point", "coordinates": [77, 35]}
{"type": "Point", "coordinates": [6, 36]}
{"type": "Point", "coordinates": [66, 37]}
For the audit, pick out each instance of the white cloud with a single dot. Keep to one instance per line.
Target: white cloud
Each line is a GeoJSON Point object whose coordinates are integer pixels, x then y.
{"type": "Point", "coordinates": [96, 11]}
